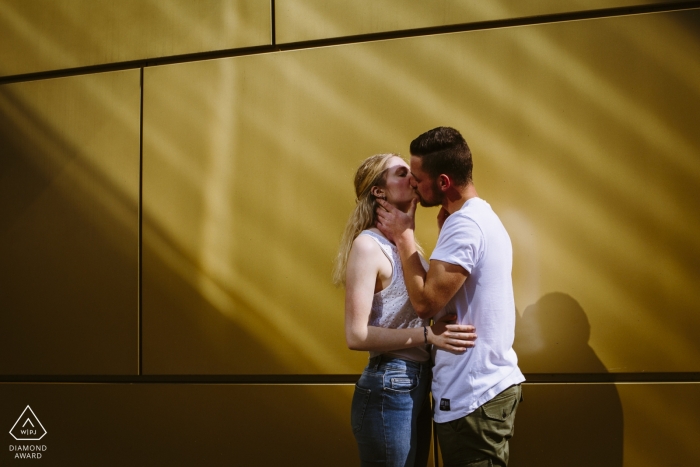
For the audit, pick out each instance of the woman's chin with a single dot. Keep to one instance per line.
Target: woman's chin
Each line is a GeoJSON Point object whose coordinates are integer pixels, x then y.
{"type": "Point", "coordinates": [403, 206]}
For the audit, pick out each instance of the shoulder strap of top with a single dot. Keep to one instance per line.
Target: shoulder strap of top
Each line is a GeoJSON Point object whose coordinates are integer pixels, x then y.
{"type": "Point", "coordinates": [385, 246]}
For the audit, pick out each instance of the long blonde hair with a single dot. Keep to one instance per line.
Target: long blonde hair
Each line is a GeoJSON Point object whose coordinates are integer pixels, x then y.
{"type": "Point", "coordinates": [371, 173]}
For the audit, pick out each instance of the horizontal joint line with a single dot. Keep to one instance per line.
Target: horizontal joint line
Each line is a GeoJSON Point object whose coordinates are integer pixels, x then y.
{"type": "Point", "coordinates": [355, 39]}
{"type": "Point", "coordinates": [533, 378]}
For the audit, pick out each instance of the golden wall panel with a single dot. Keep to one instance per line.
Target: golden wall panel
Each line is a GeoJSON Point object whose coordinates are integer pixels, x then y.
{"type": "Point", "coordinates": [585, 143]}
{"type": "Point", "coordinates": [46, 35]}
{"type": "Point", "coordinates": [69, 182]}
{"type": "Point", "coordinates": [303, 20]}
{"type": "Point", "coordinates": [607, 425]}
{"type": "Point", "coordinates": [185, 424]}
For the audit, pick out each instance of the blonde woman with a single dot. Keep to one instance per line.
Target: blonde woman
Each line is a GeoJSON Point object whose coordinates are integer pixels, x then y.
{"type": "Point", "coordinates": [390, 413]}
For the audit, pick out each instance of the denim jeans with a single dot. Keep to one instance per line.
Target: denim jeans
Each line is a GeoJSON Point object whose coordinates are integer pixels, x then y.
{"type": "Point", "coordinates": [390, 414]}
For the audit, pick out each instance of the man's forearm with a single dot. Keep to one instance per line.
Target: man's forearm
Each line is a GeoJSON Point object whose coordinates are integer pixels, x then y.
{"type": "Point", "coordinates": [414, 275]}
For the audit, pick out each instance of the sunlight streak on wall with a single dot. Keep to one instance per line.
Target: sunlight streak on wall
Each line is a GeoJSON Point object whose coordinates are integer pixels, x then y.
{"type": "Point", "coordinates": [528, 99]}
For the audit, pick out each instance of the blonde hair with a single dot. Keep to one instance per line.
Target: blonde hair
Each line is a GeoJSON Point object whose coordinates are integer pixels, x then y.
{"type": "Point", "coordinates": [371, 173]}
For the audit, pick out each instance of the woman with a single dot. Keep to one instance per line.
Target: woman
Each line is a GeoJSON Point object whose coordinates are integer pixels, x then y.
{"type": "Point", "coordinates": [390, 411]}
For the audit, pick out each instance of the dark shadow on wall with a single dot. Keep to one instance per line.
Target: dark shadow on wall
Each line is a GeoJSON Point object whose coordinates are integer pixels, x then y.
{"type": "Point", "coordinates": [68, 268]}
{"type": "Point", "coordinates": [564, 424]}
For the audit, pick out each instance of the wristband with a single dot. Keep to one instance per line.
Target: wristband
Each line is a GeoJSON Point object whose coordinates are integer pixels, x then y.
{"type": "Point", "coordinates": [425, 335]}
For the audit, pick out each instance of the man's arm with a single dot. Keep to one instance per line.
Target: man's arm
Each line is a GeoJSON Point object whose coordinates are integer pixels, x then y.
{"type": "Point", "coordinates": [429, 292]}
{"type": "Point", "coordinates": [363, 265]}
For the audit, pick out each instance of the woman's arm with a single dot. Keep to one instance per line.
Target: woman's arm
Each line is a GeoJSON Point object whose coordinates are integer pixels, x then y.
{"type": "Point", "coordinates": [364, 263]}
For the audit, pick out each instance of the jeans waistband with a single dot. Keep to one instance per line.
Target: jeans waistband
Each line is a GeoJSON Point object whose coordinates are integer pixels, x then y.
{"type": "Point", "coordinates": [375, 362]}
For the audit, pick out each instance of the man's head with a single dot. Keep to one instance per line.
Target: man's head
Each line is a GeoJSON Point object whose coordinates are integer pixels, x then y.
{"type": "Point", "coordinates": [440, 158]}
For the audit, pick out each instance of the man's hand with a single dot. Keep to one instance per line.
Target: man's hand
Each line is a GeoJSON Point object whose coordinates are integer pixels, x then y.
{"type": "Point", "coordinates": [451, 337]}
{"type": "Point", "coordinates": [392, 222]}
{"type": "Point", "coordinates": [442, 217]}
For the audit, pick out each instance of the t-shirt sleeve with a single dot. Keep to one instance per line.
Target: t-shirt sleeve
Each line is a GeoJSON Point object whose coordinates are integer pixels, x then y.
{"type": "Point", "coordinates": [424, 262]}
{"type": "Point", "coordinates": [461, 242]}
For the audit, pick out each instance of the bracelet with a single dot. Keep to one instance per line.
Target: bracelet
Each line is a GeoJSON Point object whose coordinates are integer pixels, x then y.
{"type": "Point", "coordinates": [425, 335]}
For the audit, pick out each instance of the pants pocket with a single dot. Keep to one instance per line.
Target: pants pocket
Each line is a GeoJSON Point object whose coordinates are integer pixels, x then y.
{"type": "Point", "coordinates": [360, 399]}
{"type": "Point", "coordinates": [501, 407]}
{"type": "Point", "coordinates": [400, 381]}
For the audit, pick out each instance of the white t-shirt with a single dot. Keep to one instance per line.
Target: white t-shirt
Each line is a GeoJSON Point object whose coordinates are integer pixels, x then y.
{"type": "Point", "coordinates": [475, 239]}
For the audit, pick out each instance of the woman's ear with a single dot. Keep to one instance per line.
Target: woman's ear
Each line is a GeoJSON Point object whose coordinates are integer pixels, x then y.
{"type": "Point", "coordinates": [378, 192]}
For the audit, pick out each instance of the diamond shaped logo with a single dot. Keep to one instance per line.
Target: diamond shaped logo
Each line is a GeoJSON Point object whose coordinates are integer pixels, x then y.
{"type": "Point", "coordinates": [28, 427]}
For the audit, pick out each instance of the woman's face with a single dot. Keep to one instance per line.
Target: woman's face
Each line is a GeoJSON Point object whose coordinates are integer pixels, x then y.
{"type": "Point", "coordinates": [398, 190]}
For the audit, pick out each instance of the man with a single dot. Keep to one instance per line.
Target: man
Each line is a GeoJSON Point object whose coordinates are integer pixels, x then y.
{"type": "Point", "coordinates": [477, 391]}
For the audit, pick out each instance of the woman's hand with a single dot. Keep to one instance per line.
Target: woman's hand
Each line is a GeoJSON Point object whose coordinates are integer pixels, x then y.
{"type": "Point", "coordinates": [452, 337]}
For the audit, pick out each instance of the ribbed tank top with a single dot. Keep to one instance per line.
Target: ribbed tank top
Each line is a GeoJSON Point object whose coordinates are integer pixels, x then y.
{"type": "Point", "coordinates": [391, 307]}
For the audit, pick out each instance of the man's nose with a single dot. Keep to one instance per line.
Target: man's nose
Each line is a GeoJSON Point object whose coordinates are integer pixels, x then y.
{"type": "Point", "coordinates": [412, 181]}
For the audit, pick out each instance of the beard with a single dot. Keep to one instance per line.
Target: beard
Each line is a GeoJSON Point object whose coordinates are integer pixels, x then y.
{"type": "Point", "coordinates": [435, 199]}
{"type": "Point", "coordinates": [428, 204]}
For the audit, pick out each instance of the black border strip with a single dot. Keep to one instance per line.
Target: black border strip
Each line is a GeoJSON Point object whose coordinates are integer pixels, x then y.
{"type": "Point", "coordinates": [273, 24]}
{"type": "Point", "coordinates": [539, 378]}
{"type": "Point", "coordinates": [401, 34]}
{"type": "Point", "coordinates": [661, 377]}
{"type": "Point", "coordinates": [139, 305]}
{"type": "Point", "coordinates": [133, 64]}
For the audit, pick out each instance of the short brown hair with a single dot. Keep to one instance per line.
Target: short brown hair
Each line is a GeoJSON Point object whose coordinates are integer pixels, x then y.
{"type": "Point", "coordinates": [443, 150]}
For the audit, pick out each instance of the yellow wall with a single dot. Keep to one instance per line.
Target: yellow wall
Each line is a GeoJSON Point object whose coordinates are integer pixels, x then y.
{"type": "Point", "coordinates": [304, 20]}
{"type": "Point", "coordinates": [175, 225]}
{"type": "Point", "coordinates": [69, 191]}
{"type": "Point", "coordinates": [44, 35]}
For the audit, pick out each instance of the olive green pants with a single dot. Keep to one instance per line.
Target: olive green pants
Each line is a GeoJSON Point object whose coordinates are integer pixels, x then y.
{"type": "Point", "coordinates": [481, 438]}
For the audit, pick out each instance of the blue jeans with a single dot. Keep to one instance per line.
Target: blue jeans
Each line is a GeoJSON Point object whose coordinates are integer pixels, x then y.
{"type": "Point", "coordinates": [390, 414]}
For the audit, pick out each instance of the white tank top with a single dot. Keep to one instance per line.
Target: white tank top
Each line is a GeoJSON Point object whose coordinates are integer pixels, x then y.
{"type": "Point", "coordinates": [391, 307]}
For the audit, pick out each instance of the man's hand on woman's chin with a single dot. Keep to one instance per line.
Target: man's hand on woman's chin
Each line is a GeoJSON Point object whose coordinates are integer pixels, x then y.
{"type": "Point", "coordinates": [392, 222]}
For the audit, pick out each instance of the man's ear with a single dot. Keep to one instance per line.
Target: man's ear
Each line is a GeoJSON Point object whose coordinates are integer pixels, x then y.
{"type": "Point", "coordinates": [444, 182]}
{"type": "Point", "coordinates": [378, 192]}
